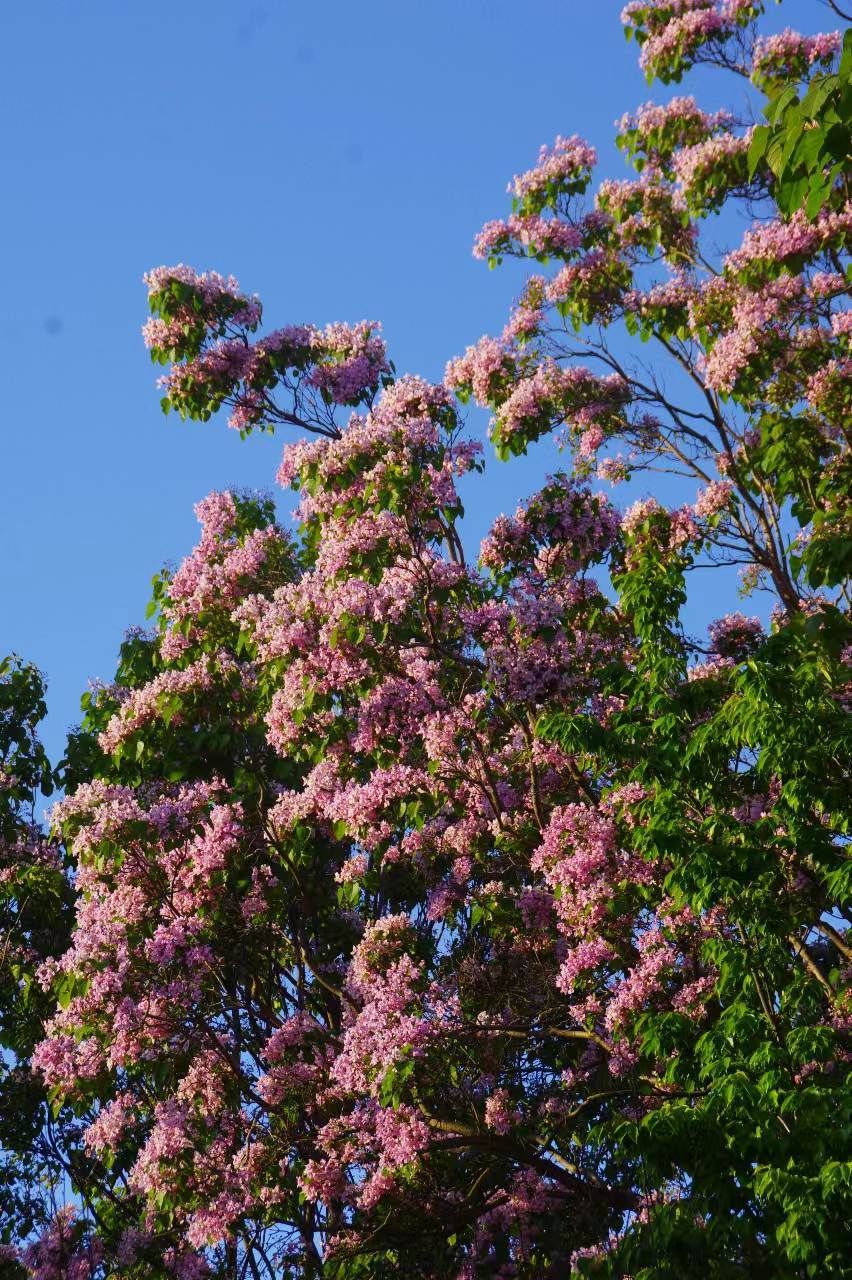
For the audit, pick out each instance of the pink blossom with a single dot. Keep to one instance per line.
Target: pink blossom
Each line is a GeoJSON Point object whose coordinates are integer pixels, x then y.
{"type": "Point", "coordinates": [636, 515]}
{"type": "Point", "coordinates": [681, 121]}
{"type": "Point", "coordinates": [734, 634]}
{"type": "Point", "coordinates": [350, 360]}
{"type": "Point", "coordinates": [582, 958]}
{"type": "Point", "coordinates": [568, 160]}
{"type": "Point", "coordinates": [789, 54]}
{"type": "Point", "coordinates": [713, 499]}
{"type": "Point", "coordinates": [482, 368]}
{"type": "Point", "coordinates": [692, 997]}
{"type": "Point", "coordinates": [211, 287]}
{"type": "Point", "coordinates": [614, 470]}
{"type": "Point", "coordinates": [758, 317]}
{"type": "Point", "coordinates": [499, 1116]}
{"type": "Point", "coordinates": [143, 705]}
{"type": "Point", "coordinates": [778, 240]}
{"type": "Point", "coordinates": [535, 235]}
{"type": "Point", "coordinates": [353, 870]}
{"type": "Point", "coordinates": [678, 291]}
{"type": "Point", "coordinates": [717, 666]}
{"type": "Point", "coordinates": [832, 378]}
{"type": "Point", "coordinates": [680, 38]}
{"type": "Point", "coordinates": [841, 324]}
{"type": "Point", "coordinates": [106, 1130]}
{"type": "Point", "coordinates": [696, 163]}
{"type": "Point", "coordinates": [61, 1252]}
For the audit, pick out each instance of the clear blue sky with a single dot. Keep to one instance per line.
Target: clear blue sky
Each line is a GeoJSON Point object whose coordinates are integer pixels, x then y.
{"type": "Point", "coordinates": [336, 157]}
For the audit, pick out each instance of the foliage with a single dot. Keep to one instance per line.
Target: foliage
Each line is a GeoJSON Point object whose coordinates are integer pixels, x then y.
{"type": "Point", "coordinates": [808, 143]}
{"type": "Point", "coordinates": [460, 921]}
{"type": "Point", "coordinates": [36, 914]}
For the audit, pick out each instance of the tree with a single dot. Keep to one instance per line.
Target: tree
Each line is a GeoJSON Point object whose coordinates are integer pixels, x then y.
{"type": "Point", "coordinates": [452, 920]}
{"type": "Point", "coordinates": [36, 914]}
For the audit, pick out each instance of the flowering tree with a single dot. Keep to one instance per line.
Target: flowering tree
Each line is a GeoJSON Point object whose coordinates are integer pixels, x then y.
{"type": "Point", "coordinates": [454, 920]}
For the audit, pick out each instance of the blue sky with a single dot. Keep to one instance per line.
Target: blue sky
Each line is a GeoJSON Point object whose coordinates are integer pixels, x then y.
{"type": "Point", "coordinates": [337, 158]}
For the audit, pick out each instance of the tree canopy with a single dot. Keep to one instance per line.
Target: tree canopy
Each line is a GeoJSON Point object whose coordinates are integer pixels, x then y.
{"type": "Point", "coordinates": [409, 915]}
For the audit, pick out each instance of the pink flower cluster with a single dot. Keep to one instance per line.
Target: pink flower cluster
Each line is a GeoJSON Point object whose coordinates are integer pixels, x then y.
{"type": "Point", "coordinates": [758, 316]}
{"type": "Point", "coordinates": [62, 1252]}
{"type": "Point", "coordinates": [777, 240]}
{"type": "Point", "coordinates": [210, 286]}
{"type": "Point", "coordinates": [536, 235]}
{"type": "Point", "coordinates": [568, 163]}
{"type": "Point", "coordinates": [350, 360]}
{"type": "Point", "coordinates": [145, 704]}
{"type": "Point", "coordinates": [735, 635]}
{"type": "Point", "coordinates": [189, 307]}
{"type": "Point", "coordinates": [217, 571]}
{"type": "Point", "coordinates": [656, 129]}
{"type": "Point", "coordinates": [384, 1140]}
{"type": "Point", "coordinates": [484, 368]}
{"type": "Point", "coordinates": [676, 292]}
{"type": "Point", "coordinates": [500, 1116]}
{"type": "Point", "coordinates": [120, 931]}
{"type": "Point", "coordinates": [391, 1022]}
{"type": "Point", "coordinates": [789, 54]}
{"type": "Point", "coordinates": [720, 157]}
{"type": "Point", "coordinates": [578, 525]}
{"type": "Point", "coordinates": [216, 364]}
{"type": "Point", "coordinates": [596, 280]}
{"type": "Point", "coordinates": [672, 32]}
{"type": "Point", "coordinates": [713, 499]}
{"type": "Point", "coordinates": [104, 1133]}
{"type": "Point", "coordinates": [552, 394]}
{"type": "Point", "coordinates": [636, 515]}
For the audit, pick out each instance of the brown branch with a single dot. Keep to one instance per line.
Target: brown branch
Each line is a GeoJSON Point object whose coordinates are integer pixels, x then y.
{"type": "Point", "coordinates": [804, 955]}
{"type": "Point", "coordinates": [554, 1165]}
{"type": "Point", "coordinates": [836, 938]}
